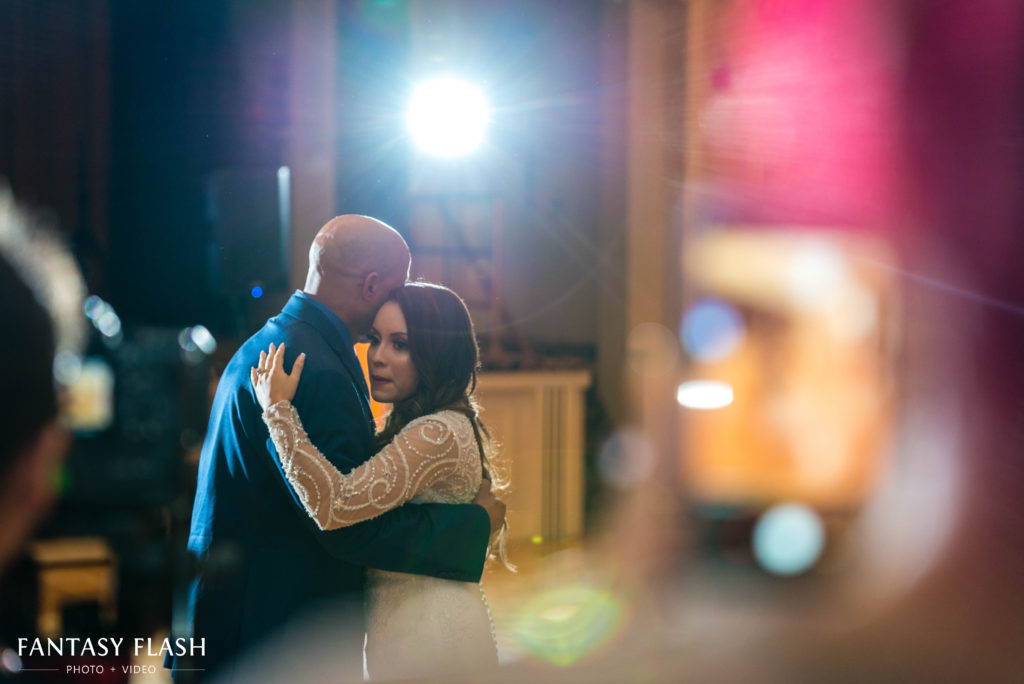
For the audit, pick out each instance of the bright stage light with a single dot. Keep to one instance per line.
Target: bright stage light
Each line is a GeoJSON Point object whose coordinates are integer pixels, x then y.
{"type": "Point", "coordinates": [448, 117]}
{"type": "Point", "coordinates": [704, 394]}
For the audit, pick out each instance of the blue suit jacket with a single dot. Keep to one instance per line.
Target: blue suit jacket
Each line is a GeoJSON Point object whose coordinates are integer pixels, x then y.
{"type": "Point", "coordinates": [260, 561]}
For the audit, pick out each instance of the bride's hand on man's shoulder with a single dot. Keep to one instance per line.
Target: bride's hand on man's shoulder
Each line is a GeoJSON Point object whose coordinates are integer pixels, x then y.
{"type": "Point", "coordinates": [269, 380]}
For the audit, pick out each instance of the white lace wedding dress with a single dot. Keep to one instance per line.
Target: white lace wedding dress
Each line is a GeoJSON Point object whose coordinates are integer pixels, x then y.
{"type": "Point", "coordinates": [416, 626]}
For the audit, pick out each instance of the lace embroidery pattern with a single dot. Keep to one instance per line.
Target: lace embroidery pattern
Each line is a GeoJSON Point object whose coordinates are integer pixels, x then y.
{"type": "Point", "coordinates": [433, 459]}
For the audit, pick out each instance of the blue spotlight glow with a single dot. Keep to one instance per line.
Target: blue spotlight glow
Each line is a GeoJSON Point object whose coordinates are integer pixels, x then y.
{"type": "Point", "coordinates": [712, 330]}
{"type": "Point", "coordinates": [788, 539]}
{"type": "Point", "coordinates": [257, 292]}
{"type": "Point", "coordinates": [447, 117]}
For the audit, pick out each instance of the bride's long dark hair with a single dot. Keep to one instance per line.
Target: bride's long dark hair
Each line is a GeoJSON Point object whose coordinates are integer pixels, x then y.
{"type": "Point", "coordinates": [444, 350]}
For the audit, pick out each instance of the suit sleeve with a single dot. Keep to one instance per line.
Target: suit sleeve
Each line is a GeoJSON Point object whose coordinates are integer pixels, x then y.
{"type": "Point", "coordinates": [440, 540]}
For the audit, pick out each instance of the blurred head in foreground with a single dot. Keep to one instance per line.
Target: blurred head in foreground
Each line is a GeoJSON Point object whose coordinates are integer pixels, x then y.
{"type": "Point", "coordinates": [39, 310]}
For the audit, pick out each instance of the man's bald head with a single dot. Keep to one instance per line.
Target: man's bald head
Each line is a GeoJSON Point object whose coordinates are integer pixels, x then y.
{"type": "Point", "coordinates": [356, 245]}
{"type": "Point", "coordinates": [354, 263]}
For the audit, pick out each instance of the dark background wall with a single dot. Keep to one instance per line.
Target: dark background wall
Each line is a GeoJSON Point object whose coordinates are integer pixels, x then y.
{"type": "Point", "coordinates": [114, 114]}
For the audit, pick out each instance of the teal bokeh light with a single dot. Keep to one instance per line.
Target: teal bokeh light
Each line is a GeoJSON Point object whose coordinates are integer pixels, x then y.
{"type": "Point", "coordinates": [788, 539]}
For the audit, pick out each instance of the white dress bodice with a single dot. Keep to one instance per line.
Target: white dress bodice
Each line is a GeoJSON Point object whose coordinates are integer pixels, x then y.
{"type": "Point", "coordinates": [416, 625]}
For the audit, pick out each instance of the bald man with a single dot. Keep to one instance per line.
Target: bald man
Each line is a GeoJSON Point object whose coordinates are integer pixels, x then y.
{"type": "Point", "coordinates": [260, 561]}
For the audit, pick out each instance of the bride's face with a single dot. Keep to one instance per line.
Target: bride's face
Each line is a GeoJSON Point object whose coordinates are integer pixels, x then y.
{"type": "Point", "coordinates": [392, 374]}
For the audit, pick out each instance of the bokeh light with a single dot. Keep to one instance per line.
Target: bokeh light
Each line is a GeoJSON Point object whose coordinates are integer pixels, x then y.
{"type": "Point", "coordinates": [626, 459]}
{"type": "Point", "coordinates": [89, 400]}
{"type": "Point", "coordinates": [712, 330]}
{"type": "Point", "coordinates": [447, 117]}
{"type": "Point", "coordinates": [652, 349]}
{"type": "Point", "coordinates": [109, 324]}
{"type": "Point", "coordinates": [788, 539]}
{"type": "Point", "coordinates": [256, 292]}
{"type": "Point", "coordinates": [203, 339]}
{"type": "Point", "coordinates": [94, 307]}
{"type": "Point", "coordinates": [67, 366]}
{"type": "Point", "coordinates": [817, 276]}
{"type": "Point", "coordinates": [704, 394]}
{"type": "Point", "coordinates": [9, 661]}
{"type": "Point", "coordinates": [196, 342]}
{"type": "Point", "coordinates": [103, 317]}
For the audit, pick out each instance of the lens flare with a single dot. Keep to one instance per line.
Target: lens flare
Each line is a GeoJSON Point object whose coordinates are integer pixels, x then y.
{"type": "Point", "coordinates": [562, 625]}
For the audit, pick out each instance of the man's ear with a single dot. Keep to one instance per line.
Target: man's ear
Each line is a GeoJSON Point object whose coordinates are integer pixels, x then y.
{"type": "Point", "coordinates": [371, 286]}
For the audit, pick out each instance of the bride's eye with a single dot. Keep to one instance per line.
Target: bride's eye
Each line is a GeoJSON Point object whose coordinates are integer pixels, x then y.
{"type": "Point", "coordinates": [401, 345]}
{"type": "Point", "coordinates": [373, 340]}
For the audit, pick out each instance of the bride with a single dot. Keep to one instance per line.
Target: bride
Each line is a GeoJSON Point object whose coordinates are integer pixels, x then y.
{"type": "Point", "coordinates": [422, 359]}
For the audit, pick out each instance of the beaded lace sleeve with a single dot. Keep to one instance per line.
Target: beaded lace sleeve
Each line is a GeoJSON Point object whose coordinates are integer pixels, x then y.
{"type": "Point", "coordinates": [423, 453]}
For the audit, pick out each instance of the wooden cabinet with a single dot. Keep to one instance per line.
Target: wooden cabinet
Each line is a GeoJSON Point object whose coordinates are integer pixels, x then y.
{"type": "Point", "coordinates": [538, 420]}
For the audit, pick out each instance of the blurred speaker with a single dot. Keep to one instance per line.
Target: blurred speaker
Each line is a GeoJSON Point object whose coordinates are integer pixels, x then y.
{"type": "Point", "coordinates": [249, 210]}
